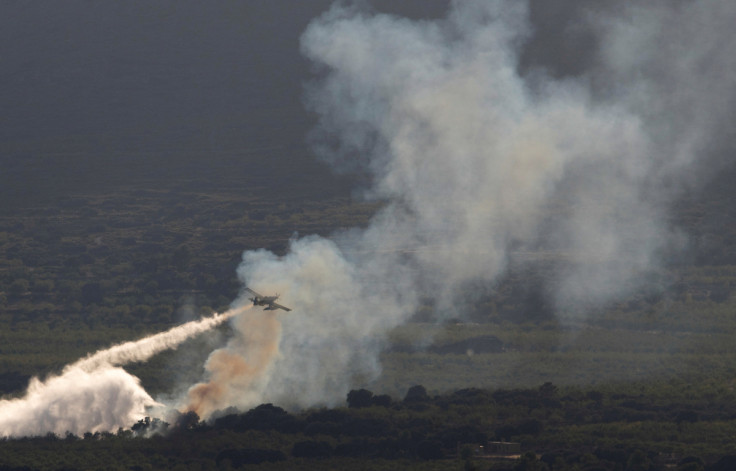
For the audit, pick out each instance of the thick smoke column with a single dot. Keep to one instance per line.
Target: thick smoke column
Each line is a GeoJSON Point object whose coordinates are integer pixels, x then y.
{"type": "Point", "coordinates": [474, 159]}
{"type": "Point", "coordinates": [92, 394]}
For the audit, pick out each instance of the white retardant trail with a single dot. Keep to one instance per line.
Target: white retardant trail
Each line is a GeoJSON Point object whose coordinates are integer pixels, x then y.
{"type": "Point", "coordinates": [143, 349]}
{"type": "Point", "coordinates": [93, 394]}
{"type": "Point", "coordinates": [78, 401]}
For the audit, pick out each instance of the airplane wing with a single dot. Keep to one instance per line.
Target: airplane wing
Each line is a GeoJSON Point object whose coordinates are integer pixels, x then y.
{"type": "Point", "coordinates": [279, 306]}
{"type": "Point", "coordinates": [253, 292]}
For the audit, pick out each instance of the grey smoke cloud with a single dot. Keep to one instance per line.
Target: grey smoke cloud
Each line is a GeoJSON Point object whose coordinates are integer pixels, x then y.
{"type": "Point", "coordinates": [469, 155]}
{"type": "Point", "coordinates": [669, 62]}
{"type": "Point", "coordinates": [473, 159]}
{"type": "Point", "coordinates": [667, 66]}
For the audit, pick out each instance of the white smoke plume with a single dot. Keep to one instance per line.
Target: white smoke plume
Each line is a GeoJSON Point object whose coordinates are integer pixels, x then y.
{"type": "Point", "coordinates": [342, 309]}
{"type": "Point", "coordinates": [474, 159]}
{"type": "Point", "coordinates": [93, 394]}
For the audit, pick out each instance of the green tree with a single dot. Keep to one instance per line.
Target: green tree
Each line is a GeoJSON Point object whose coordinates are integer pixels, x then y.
{"type": "Point", "coordinates": [416, 393]}
{"type": "Point", "coordinates": [360, 398]}
{"type": "Point", "coordinates": [638, 461]}
{"type": "Point", "coordinates": [91, 293]}
{"type": "Point", "coordinates": [18, 287]}
{"type": "Point", "coordinates": [529, 462]}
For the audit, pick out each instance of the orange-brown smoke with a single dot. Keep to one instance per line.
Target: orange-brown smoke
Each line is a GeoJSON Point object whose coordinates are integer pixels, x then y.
{"type": "Point", "coordinates": [235, 370]}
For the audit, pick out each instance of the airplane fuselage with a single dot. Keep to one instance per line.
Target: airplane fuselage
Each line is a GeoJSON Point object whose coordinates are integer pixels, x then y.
{"type": "Point", "coordinates": [265, 301]}
{"type": "Point", "coordinates": [268, 301]}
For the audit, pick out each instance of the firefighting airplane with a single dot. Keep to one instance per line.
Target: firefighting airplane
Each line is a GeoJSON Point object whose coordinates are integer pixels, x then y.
{"type": "Point", "coordinates": [268, 301]}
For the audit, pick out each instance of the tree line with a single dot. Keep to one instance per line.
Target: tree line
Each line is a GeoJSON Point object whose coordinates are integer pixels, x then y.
{"type": "Point", "coordinates": [554, 429]}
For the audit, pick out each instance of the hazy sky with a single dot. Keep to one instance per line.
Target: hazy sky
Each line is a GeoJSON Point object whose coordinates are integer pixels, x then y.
{"type": "Point", "coordinates": [112, 87]}
{"type": "Point", "coordinates": [135, 75]}
{"type": "Point", "coordinates": [124, 69]}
